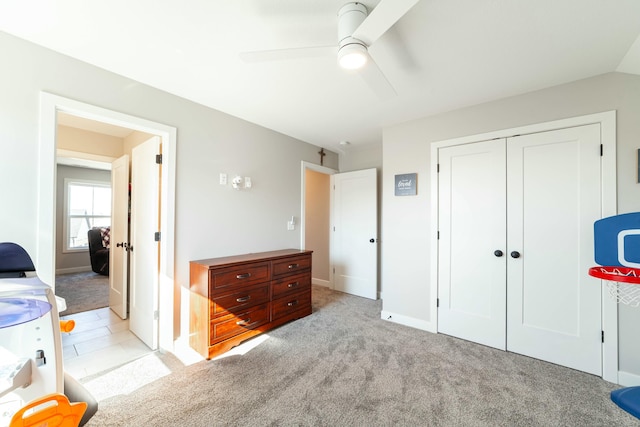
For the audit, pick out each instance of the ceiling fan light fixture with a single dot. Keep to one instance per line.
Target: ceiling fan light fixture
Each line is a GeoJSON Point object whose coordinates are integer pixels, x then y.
{"type": "Point", "coordinates": [352, 56]}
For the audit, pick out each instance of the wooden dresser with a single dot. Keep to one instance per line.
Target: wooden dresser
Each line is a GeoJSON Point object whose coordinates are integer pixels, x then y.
{"type": "Point", "coordinates": [234, 298]}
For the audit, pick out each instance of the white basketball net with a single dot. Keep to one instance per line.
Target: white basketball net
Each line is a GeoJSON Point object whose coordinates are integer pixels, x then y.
{"type": "Point", "coordinates": [624, 293]}
{"type": "Point", "coordinates": [626, 289]}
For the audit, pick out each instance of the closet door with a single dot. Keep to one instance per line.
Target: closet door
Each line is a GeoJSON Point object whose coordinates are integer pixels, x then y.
{"type": "Point", "coordinates": [471, 274]}
{"type": "Point", "coordinates": [553, 199]}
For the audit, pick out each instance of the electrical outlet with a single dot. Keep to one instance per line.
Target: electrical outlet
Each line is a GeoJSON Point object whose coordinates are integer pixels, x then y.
{"type": "Point", "coordinates": [290, 225]}
{"type": "Point", "coordinates": [223, 179]}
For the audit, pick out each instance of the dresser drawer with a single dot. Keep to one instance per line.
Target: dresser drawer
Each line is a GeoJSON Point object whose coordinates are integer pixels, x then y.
{"type": "Point", "coordinates": [230, 325]}
{"type": "Point", "coordinates": [290, 284]}
{"type": "Point", "coordinates": [239, 300]}
{"type": "Point", "coordinates": [290, 304]}
{"type": "Point", "coordinates": [292, 265]}
{"type": "Point", "coordinates": [238, 276]}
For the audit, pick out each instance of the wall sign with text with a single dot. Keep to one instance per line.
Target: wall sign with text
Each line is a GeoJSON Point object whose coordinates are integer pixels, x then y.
{"type": "Point", "coordinates": [406, 184]}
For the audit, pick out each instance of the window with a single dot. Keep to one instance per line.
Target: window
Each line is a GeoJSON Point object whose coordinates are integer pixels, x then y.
{"type": "Point", "coordinates": [87, 205]}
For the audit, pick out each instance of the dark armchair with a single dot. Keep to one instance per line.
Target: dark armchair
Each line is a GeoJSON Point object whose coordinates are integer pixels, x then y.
{"type": "Point", "coordinates": [98, 253]}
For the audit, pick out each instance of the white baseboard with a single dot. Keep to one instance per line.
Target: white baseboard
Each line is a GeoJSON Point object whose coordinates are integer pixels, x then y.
{"type": "Point", "coordinates": [628, 379]}
{"type": "Point", "coordinates": [320, 282]}
{"type": "Point", "coordinates": [73, 270]}
{"type": "Point", "coordinates": [407, 321]}
{"type": "Point", "coordinates": [184, 352]}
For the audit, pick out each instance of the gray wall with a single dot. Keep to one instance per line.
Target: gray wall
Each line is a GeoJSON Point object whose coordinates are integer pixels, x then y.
{"type": "Point", "coordinates": [210, 220]}
{"type": "Point", "coordinates": [358, 158]}
{"type": "Point", "coordinates": [76, 261]}
{"type": "Point", "coordinates": [406, 148]}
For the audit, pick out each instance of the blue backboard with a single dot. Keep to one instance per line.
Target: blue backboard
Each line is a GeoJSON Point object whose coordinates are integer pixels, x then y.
{"type": "Point", "coordinates": [617, 240]}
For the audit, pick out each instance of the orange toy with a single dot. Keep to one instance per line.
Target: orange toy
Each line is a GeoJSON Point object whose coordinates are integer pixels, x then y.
{"type": "Point", "coordinates": [56, 412]}
{"type": "Point", "coordinates": [67, 325]}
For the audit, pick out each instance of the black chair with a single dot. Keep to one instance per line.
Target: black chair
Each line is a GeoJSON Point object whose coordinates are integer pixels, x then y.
{"type": "Point", "coordinates": [98, 254]}
{"type": "Point", "coordinates": [14, 261]}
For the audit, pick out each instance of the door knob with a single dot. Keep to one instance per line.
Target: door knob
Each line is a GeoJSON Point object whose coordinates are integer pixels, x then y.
{"type": "Point", "coordinates": [515, 254]}
{"type": "Point", "coordinates": [498, 253]}
{"type": "Point", "coordinates": [372, 240]}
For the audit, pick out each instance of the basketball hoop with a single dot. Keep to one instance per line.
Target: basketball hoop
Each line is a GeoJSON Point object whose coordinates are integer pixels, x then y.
{"type": "Point", "coordinates": [622, 283]}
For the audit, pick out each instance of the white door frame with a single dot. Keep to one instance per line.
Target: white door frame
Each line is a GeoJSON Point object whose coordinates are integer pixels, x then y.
{"type": "Point", "coordinates": [607, 121]}
{"type": "Point", "coordinates": [45, 253]}
{"type": "Point", "coordinates": [303, 200]}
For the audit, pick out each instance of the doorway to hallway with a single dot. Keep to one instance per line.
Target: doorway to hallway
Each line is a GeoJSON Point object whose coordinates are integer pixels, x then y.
{"type": "Point", "coordinates": [50, 106]}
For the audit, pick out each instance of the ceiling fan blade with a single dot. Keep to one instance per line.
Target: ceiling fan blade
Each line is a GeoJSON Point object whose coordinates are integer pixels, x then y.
{"type": "Point", "coordinates": [287, 54]}
{"type": "Point", "coordinates": [387, 13]}
{"type": "Point", "coordinates": [376, 80]}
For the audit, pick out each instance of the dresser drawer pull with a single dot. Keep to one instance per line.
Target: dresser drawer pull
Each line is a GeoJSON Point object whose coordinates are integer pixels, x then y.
{"type": "Point", "coordinates": [244, 299]}
{"type": "Point", "coordinates": [243, 322]}
{"type": "Point", "coordinates": [292, 303]}
{"type": "Point", "coordinates": [243, 276]}
{"type": "Point", "coordinates": [292, 266]}
{"type": "Point", "coordinates": [293, 285]}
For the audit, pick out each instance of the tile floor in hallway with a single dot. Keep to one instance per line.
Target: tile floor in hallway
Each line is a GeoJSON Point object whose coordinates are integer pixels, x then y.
{"type": "Point", "coordinates": [99, 341]}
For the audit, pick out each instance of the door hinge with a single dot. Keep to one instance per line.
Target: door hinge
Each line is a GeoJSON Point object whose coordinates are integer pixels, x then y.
{"type": "Point", "coordinates": [438, 168]}
{"type": "Point", "coordinates": [602, 336]}
{"type": "Point", "coordinates": [159, 159]}
{"type": "Point", "coordinates": [437, 302]}
{"type": "Point", "coordinates": [156, 236]}
{"type": "Point", "coordinates": [601, 150]}
{"type": "Point", "coordinates": [438, 234]}
{"type": "Point", "coordinates": [156, 315]}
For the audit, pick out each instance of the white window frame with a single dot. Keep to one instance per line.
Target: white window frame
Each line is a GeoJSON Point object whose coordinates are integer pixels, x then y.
{"type": "Point", "coordinates": [65, 222]}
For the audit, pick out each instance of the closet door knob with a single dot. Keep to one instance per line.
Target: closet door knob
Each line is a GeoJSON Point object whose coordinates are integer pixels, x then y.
{"type": "Point", "coordinates": [515, 254]}
{"type": "Point", "coordinates": [498, 253]}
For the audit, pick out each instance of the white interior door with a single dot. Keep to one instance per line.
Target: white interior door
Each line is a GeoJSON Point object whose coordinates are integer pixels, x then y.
{"type": "Point", "coordinates": [118, 259]}
{"type": "Point", "coordinates": [472, 209]}
{"type": "Point", "coordinates": [354, 251]}
{"type": "Point", "coordinates": [554, 197]}
{"type": "Point", "coordinates": [145, 222]}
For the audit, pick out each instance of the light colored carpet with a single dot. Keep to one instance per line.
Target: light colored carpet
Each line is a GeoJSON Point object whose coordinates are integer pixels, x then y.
{"type": "Point", "coordinates": [83, 291]}
{"type": "Point", "coordinates": [343, 366]}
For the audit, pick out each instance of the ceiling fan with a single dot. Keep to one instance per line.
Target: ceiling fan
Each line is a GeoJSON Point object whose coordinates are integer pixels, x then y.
{"type": "Point", "coordinates": [357, 30]}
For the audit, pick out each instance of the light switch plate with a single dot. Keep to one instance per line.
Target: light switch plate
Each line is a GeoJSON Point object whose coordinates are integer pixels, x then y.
{"type": "Point", "coordinates": [223, 179]}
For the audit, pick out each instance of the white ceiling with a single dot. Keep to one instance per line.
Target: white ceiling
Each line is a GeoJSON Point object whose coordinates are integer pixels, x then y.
{"type": "Point", "coordinates": [442, 55]}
